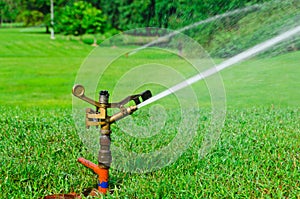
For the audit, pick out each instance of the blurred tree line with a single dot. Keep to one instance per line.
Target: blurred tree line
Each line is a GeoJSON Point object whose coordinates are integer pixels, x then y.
{"type": "Point", "coordinates": [115, 14]}
{"type": "Point", "coordinates": [75, 17]}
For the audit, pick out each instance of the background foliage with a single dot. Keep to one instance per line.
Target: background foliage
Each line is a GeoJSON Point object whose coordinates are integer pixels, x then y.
{"type": "Point", "coordinates": [223, 38]}
{"type": "Point", "coordinates": [99, 16]}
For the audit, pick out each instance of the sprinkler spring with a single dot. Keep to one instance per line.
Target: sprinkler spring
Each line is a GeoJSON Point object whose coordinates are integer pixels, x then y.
{"type": "Point", "coordinates": [100, 118]}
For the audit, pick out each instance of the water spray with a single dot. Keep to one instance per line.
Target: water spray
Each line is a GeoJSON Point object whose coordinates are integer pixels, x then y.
{"type": "Point", "coordinates": [205, 21]}
{"type": "Point", "coordinates": [229, 62]}
{"type": "Point", "coordinates": [99, 117]}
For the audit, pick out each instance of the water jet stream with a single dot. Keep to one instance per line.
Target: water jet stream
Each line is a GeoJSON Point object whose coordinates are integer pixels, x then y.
{"type": "Point", "coordinates": [229, 62]}
{"type": "Point", "coordinates": [211, 19]}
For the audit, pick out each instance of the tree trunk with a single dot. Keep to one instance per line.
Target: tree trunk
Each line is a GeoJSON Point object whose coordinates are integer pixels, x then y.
{"type": "Point", "coordinates": [47, 30]}
{"type": "Point", "coordinates": [1, 17]}
{"type": "Point", "coordinates": [95, 41]}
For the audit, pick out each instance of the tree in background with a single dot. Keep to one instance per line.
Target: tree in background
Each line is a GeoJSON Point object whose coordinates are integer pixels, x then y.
{"type": "Point", "coordinates": [93, 22]}
{"type": "Point", "coordinates": [9, 10]}
{"type": "Point", "coordinates": [80, 18]}
{"type": "Point", "coordinates": [128, 14]}
{"type": "Point", "coordinates": [31, 18]}
{"type": "Point", "coordinates": [33, 12]}
{"type": "Point", "coordinates": [2, 7]}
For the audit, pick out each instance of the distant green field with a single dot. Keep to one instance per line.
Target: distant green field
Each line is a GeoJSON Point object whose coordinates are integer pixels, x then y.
{"type": "Point", "coordinates": [38, 71]}
{"type": "Point", "coordinates": [257, 155]}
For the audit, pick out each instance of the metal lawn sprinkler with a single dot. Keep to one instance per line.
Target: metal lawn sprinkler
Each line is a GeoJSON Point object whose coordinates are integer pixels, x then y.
{"type": "Point", "coordinates": [100, 118]}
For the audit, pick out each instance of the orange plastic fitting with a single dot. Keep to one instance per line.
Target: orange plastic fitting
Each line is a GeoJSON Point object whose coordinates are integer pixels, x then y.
{"type": "Point", "coordinates": [101, 172]}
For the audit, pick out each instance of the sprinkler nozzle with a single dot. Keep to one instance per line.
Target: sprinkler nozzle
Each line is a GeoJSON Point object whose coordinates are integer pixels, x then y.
{"type": "Point", "coordinates": [123, 113]}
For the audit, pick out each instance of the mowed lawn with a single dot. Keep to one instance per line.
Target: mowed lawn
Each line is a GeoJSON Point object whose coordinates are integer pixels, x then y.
{"type": "Point", "coordinates": [257, 155]}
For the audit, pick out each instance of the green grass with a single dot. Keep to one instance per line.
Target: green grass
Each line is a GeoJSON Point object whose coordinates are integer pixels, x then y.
{"type": "Point", "coordinates": [36, 71]}
{"type": "Point", "coordinates": [269, 81]}
{"type": "Point", "coordinates": [257, 155]}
